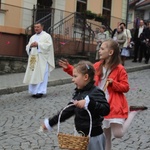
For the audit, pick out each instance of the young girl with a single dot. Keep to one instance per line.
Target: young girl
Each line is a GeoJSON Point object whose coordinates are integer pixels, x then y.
{"type": "Point", "coordinates": [110, 71]}
{"type": "Point", "coordinates": [86, 96]}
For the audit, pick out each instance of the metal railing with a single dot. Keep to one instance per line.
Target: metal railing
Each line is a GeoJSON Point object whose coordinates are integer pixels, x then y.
{"type": "Point", "coordinates": [71, 28]}
{"type": "Point", "coordinates": [66, 28]}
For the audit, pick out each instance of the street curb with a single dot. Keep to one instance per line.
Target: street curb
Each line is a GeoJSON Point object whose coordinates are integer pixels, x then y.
{"type": "Point", "coordinates": [21, 88]}
{"type": "Point", "coordinates": [62, 81]}
{"type": "Point", "coordinates": [138, 68]}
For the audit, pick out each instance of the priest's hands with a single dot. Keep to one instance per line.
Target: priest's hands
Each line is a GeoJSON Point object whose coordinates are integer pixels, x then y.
{"type": "Point", "coordinates": [34, 44]}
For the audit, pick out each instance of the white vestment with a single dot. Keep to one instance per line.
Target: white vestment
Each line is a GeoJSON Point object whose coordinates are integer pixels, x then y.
{"type": "Point", "coordinates": [40, 62]}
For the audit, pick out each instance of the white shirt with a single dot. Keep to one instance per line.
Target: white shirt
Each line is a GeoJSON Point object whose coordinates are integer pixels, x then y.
{"type": "Point", "coordinates": [140, 31]}
{"type": "Point", "coordinates": [103, 81]}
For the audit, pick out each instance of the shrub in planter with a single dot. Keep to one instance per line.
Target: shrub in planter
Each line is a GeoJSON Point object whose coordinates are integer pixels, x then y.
{"type": "Point", "coordinates": [100, 18]}
{"type": "Point", "coordinates": [89, 15]}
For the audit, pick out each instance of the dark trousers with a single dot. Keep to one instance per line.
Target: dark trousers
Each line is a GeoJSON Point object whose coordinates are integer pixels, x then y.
{"type": "Point", "coordinates": [147, 54]}
{"type": "Point", "coordinates": [136, 49]}
{"type": "Point", "coordinates": [142, 51]}
{"type": "Point", "coordinates": [139, 50]}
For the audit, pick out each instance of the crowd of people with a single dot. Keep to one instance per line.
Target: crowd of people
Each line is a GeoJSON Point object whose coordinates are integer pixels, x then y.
{"type": "Point", "coordinates": [142, 42]}
{"type": "Point", "coordinates": [138, 41]}
{"type": "Point", "coordinates": [100, 87]}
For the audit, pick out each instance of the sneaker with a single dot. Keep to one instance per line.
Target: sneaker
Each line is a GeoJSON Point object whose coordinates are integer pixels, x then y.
{"type": "Point", "coordinates": [136, 108]}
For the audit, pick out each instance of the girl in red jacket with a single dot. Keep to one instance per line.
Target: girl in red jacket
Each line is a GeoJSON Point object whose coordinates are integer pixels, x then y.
{"type": "Point", "coordinates": [109, 71]}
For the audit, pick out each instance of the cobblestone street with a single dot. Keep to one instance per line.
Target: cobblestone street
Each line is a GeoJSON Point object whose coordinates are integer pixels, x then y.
{"type": "Point", "coordinates": [21, 116]}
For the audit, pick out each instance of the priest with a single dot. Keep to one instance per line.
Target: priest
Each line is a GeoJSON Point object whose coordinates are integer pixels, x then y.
{"type": "Point", "coordinates": [40, 61]}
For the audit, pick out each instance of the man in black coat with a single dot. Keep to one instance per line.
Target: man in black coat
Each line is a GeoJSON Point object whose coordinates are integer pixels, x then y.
{"type": "Point", "coordinates": [138, 40]}
{"type": "Point", "coordinates": [146, 35]}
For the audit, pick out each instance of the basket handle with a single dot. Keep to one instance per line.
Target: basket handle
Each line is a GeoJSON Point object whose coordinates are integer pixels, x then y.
{"type": "Point", "coordinates": [70, 106]}
{"type": "Point", "coordinates": [105, 86]}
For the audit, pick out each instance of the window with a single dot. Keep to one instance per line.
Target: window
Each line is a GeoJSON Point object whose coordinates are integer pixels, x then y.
{"type": "Point", "coordinates": [82, 1]}
{"type": "Point", "coordinates": [44, 3]}
{"type": "Point", "coordinates": [130, 17]}
{"type": "Point", "coordinates": [107, 4]}
{"type": "Point", "coordinates": [107, 10]}
{"type": "Point", "coordinates": [81, 5]}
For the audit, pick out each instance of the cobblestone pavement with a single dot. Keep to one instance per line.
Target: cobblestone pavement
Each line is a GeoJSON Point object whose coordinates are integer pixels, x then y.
{"type": "Point", "coordinates": [21, 116]}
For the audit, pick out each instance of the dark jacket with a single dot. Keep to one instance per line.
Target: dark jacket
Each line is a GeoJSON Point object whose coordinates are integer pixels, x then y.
{"type": "Point", "coordinates": [113, 32]}
{"type": "Point", "coordinates": [136, 35]}
{"type": "Point", "coordinates": [147, 33]}
{"type": "Point", "coordinates": [98, 107]}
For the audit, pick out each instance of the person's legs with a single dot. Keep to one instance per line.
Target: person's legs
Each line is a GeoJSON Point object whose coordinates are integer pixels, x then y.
{"type": "Point", "coordinates": [118, 130]}
{"type": "Point", "coordinates": [107, 132]}
{"type": "Point", "coordinates": [123, 58]}
{"type": "Point", "coordinates": [146, 54]}
{"type": "Point", "coordinates": [39, 89]}
{"type": "Point", "coordinates": [141, 51]}
{"type": "Point", "coordinates": [97, 142]}
{"type": "Point", "coordinates": [136, 50]}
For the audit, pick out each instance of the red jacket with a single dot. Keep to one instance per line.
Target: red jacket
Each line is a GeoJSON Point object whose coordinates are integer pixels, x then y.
{"type": "Point", "coordinates": [120, 85]}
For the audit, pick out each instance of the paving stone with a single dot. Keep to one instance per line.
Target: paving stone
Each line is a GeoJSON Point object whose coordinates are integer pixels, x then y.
{"type": "Point", "coordinates": [22, 115]}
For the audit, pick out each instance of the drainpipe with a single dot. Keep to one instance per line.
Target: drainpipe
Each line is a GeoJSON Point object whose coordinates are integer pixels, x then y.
{"type": "Point", "coordinates": [127, 13]}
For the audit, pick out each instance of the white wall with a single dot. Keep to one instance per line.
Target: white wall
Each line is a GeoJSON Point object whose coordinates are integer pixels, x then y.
{"type": "Point", "coordinates": [2, 15]}
{"type": "Point", "coordinates": [27, 13]}
{"type": "Point", "coordinates": [124, 9]}
{"type": "Point", "coordinates": [147, 15]}
{"type": "Point", "coordinates": [58, 4]}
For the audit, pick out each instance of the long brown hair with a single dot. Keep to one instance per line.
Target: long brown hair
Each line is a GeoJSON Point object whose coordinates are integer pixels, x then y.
{"type": "Point", "coordinates": [114, 60]}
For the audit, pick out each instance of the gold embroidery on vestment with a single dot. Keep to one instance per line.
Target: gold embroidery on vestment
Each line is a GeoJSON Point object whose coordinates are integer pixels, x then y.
{"type": "Point", "coordinates": [32, 62]}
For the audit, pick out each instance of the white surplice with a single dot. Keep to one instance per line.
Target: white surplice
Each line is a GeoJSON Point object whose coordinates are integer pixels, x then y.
{"type": "Point", "coordinates": [40, 63]}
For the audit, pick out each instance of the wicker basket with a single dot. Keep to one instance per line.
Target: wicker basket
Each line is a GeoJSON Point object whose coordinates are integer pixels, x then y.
{"type": "Point", "coordinates": [72, 142]}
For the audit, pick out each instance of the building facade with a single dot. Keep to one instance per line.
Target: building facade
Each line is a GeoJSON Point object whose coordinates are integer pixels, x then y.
{"type": "Point", "coordinates": [17, 18]}
{"type": "Point", "coordinates": [138, 9]}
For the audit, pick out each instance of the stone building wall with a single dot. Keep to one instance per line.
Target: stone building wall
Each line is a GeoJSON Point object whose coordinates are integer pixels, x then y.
{"type": "Point", "coordinates": [12, 65]}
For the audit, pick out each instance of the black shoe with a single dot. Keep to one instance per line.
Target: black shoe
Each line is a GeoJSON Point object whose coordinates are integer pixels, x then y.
{"type": "Point", "coordinates": [134, 61]}
{"type": "Point", "coordinates": [136, 108]}
{"type": "Point", "coordinates": [33, 95]}
{"type": "Point", "coordinates": [38, 95]}
{"type": "Point", "coordinates": [146, 62]}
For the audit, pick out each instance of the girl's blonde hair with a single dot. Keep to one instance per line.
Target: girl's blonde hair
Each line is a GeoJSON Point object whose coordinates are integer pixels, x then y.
{"type": "Point", "coordinates": [114, 60]}
{"type": "Point", "coordinates": [86, 67]}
